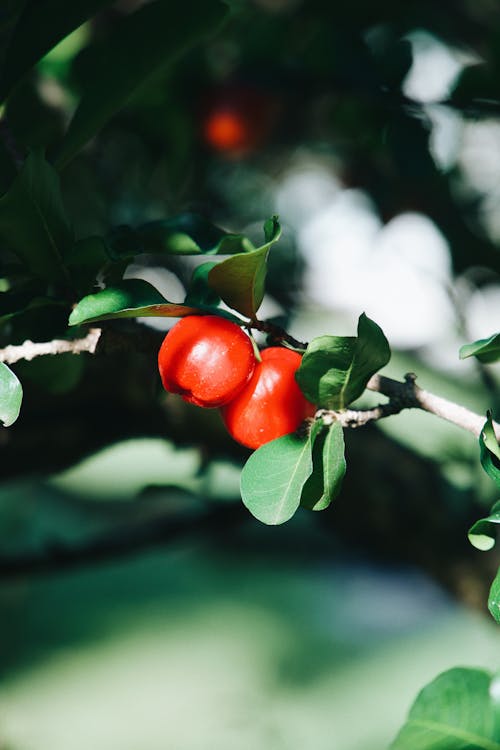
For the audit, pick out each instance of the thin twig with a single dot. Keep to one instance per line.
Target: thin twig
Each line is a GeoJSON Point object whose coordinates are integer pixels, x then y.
{"type": "Point", "coordinates": [277, 333]}
{"type": "Point", "coordinates": [401, 395]}
{"type": "Point", "coordinates": [31, 349]}
{"type": "Point", "coordinates": [408, 395]}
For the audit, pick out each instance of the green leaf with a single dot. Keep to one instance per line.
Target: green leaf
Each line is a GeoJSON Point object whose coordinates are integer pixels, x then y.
{"type": "Point", "coordinates": [189, 234]}
{"type": "Point", "coordinates": [85, 259]}
{"type": "Point", "coordinates": [489, 450]}
{"type": "Point", "coordinates": [314, 487]}
{"type": "Point", "coordinates": [459, 710]}
{"type": "Point", "coordinates": [329, 467]}
{"type": "Point", "coordinates": [274, 475]}
{"type": "Point", "coordinates": [33, 223]}
{"type": "Point", "coordinates": [240, 280]}
{"type": "Point", "coordinates": [494, 598]}
{"type": "Point", "coordinates": [9, 18]}
{"type": "Point", "coordinates": [483, 534]}
{"type": "Point", "coordinates": [11, 395]}
{"type": "Point", "coordinates": [199, 292]}
{"type": "Point", "coordinates": [485, 350]}
{"type": "Point", "coordinates": [55, 374]}
{"type": "Point", "coordinates": [334, 464]}
{"type": "Point", "coordinates": [335, 369]}
{"type": "Point", "coordinates": [41, 26]}
{"type": "Point", "coordinates": [139, 49]}
{"type": "Point", "coordinates": [132, 298]}
{"type": "Point", "coordinates": [19, 297]}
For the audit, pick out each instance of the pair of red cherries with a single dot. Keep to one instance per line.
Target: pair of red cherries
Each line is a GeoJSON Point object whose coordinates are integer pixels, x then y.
{"type": "Point", "coordinates": [211, 362]}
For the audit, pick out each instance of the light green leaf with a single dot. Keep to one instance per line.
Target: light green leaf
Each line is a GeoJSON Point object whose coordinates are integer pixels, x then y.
{"type": "Point", "coordinates": [132, 298]}
{"type": "Point", "coordinates": [483, 533]}
{"type": "Point", "coordinates": [489, 450]}
{"type": "Point", "coordinates": [240, 280]}
{"type": "Point", "coordinates": [494, 598]}
{"type": "Point", "coordinates": [335, 369]}
{"type": "Point", "coordinates": [11, 395]}
{"type": "Point", "coordinates": [274, 475]}
{"type": "Point", "coordinates": [459, 710]}
{"type": "Point", "coordinates": [139, 49]}
{"type": "Point", "coordinates": [33, 223]}
{"type": "Point", "coordinates": [485, 350]}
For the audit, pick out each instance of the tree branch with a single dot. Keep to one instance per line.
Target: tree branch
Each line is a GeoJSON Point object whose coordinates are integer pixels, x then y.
{"type": "Point", "coordinates": [97, 341]}
{"type": "Point", "coordinates": [408, 395]}
{"type": "Point", "coordinates": [277, 333]}
{"type": "Point", "coordinates": [401, 395]}
{"type": "Point", "coordinates": [30, 349]}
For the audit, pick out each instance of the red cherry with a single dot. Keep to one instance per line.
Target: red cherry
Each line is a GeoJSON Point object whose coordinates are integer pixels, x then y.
{"type": "Point", "coordinates": [207, 359]}
{"type": "Point", "coordinates": [271, 404]}
{"type": "Point", "coordinates": [226, 130]}
{"type": "Point", "coordinates": [238, 119]}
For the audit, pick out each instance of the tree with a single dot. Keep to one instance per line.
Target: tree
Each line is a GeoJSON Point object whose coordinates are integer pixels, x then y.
{"type": "Point", "coordinates": [119, 124]}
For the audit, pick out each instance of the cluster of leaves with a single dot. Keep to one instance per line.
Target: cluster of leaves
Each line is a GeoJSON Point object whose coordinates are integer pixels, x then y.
{"type": "Point", "coordinates": [48, 266]}
{"type": "Point", "coordinates": [483, 533]}
{"type": "Point", "coordinates": [49, 272]}
{"type": "Point", "coordinates": [305, 470]}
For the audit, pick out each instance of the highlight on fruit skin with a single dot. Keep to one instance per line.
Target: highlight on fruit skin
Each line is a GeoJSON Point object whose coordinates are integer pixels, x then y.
{"type": "Point", "coordinates": [271, 404]}
{"type": "Point", "coordinates": [206, 359]}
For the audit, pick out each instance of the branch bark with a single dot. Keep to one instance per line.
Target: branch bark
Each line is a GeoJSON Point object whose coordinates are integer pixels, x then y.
{"type": "Point", "coordinates": [31, 349]}
{"type": "Point", "coordinates": [97, 341]}
{"type": "Point", "coordinates": [401, 395]}
{"type": "Point", "coordinates": [408, 395]}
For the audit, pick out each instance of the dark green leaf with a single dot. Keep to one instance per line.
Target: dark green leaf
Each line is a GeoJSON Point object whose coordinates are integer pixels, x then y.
{"type": "Point", "coordinates": [42, 320]}
{"type": "Point", "coordinates": [334, 464]}
{"type": "Point", "coordinates": [55, 374]}
{"type": "Point", "coordinates": [85, 259]}
{"type": "Point", "coordinates": [314, 486]}
{"type": "Point", "coordinates": [240, 280]}
{"type": "Point", "coordinates": [11, 395]}
{"type": "Point", "coordinates": [494, 598]}
{"type": "Point", "coordinates": [19, 297]}
{"type": "Point", "coordinates": [41, 26]}
{"type": "Point", "coordinates": [335, 369]}
{"type": "Point", "coordinates": [36, 306]}
{"type": "Point", "coordinates": [132, 298]}
{"type": "Point", "coordinates": [189, 234]}
{"type": "Point", "coordinates": [483, 533]}
{"type": "Point", "coordinates": [459, 710]}
{"type": "Point", "coordinates": [272, 230]}
{"type": "Point", "coordinates": [138, 50]}
{"type": "Point", "coordinates": [490, 451]}
{"type": "Point", "coordinates": [274, 475]}
{"type": "Point", "coordinates": [199, 292]}
{"type": "Point", "coordinates": [9, 18]}
{"type": "Point", "coordinates": [33, 223]}
{"type": "Point", "coordinates": [329, 468]}
{"type": "Point", "coordinates": [485, 350]}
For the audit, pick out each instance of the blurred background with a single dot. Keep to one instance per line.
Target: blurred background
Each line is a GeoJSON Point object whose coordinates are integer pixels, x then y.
{"type": "Point", "coordinates": [141, 606]}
